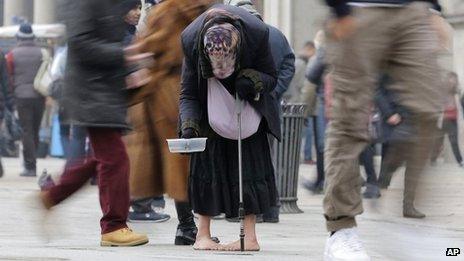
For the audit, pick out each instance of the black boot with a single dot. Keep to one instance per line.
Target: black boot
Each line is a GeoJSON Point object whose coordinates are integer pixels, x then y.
{"type": "Point", "coordinates": [187, 230]}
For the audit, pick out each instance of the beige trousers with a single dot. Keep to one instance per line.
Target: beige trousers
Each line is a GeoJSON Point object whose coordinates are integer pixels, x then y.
{"type": "Point", "coordinates": [400, 42]}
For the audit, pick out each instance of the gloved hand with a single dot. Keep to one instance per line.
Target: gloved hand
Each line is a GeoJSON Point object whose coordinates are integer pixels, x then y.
{"type": "Point", "coordinates": [189, 133]}
{"type": "Point", "coordinates": [248, 84]}
{"type": "Point", "coordinates": [245, 88]}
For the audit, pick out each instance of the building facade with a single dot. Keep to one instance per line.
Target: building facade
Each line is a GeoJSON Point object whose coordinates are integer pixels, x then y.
{"type": "Point", "coordinates": [33, 11]}
{"type": "Point", "coordinates": [299, 20]}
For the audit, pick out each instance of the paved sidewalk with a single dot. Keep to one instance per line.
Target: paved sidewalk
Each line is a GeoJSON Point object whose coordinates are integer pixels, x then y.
{"type": "Point", "coordinates": [71, 232]}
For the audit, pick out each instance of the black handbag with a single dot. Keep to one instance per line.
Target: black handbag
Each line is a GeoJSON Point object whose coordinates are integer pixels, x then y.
{"type": "Point", "coordinates": [13, 126]}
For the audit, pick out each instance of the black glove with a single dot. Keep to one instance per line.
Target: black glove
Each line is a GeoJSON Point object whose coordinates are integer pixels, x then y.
{"type": "Point", "coordinates": [248, 84]}
{"type": "Point", "coordinates": [189, 133]}
{"type": "Point", "coordinates": [245, 88]}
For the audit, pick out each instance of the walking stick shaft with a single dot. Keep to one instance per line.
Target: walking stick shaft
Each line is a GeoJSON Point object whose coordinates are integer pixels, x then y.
{"type": "Point", "coordinates": [241, 210]}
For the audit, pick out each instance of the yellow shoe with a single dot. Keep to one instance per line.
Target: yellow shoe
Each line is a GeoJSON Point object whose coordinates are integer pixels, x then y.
{"type": "Point", "coordinates": [123, 237]}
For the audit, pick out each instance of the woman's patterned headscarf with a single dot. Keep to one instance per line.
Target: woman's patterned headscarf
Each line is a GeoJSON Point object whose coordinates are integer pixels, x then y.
{"type": "Point", "coordinates": [220, 46]}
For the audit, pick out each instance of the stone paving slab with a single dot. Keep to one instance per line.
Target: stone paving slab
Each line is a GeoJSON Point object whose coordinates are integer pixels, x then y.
{"type": "Point", "coordinates": [71, 232]}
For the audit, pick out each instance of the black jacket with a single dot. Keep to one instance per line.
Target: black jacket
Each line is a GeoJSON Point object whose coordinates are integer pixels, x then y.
{"type": "Point", "coordinates": [387, 104]}
{"type": "Point", "coordinates": [255, 53]}
{"type": "Point", "coordinates": [95, 72]}
{"type": "Point", "coordinates": [341, 7]}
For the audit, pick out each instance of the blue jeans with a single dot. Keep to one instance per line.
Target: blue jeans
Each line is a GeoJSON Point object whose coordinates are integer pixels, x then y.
{"type": "Point", "coordinates": [73, 139]}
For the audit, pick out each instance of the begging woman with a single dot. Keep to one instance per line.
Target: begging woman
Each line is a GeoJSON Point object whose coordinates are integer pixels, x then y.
{"type": "Point", "coordinates": [227, 54]}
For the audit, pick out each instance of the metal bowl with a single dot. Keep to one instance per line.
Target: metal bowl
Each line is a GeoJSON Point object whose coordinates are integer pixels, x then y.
{"type": "Point", "coordinates": [187, 145]}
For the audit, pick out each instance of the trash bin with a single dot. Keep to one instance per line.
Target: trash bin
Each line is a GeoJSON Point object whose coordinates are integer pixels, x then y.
{"type": "Point", "coordinates": [286, 156]}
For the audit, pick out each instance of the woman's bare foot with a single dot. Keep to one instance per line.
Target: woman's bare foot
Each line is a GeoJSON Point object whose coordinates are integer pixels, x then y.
{"type": "Point", "coordinates": [250, 245]}
{"type": "Point", "coordinates": [205, 243]}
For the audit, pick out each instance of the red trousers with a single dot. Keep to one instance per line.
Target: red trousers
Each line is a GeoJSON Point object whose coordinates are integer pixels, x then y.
{"type": "Point", "coordinates": [111, 164]}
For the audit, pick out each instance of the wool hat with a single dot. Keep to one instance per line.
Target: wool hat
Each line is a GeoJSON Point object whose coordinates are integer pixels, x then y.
{"type": "Point", "coordinates": [245, 4]}
{"type": "Point", "coordinates": [25, 31]}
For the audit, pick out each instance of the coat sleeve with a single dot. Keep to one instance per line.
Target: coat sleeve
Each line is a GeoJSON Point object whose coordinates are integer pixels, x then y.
{"type": "Point", "coordinates": [265, 65]}
{"type": "Point", "coordinates": [84, 41]}
{"type": "Point", "coordinates": [190, 114]}
{"type": "Point", "coordinates": [316, 68]}
{"type": "Point", "coordinates": [286, 70]}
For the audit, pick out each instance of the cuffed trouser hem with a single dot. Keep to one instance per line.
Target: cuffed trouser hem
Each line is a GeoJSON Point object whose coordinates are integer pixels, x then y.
{"type": "Point", "coordinates": [115, 228]}
{"type": "Point", "coordinates": [335, 225]}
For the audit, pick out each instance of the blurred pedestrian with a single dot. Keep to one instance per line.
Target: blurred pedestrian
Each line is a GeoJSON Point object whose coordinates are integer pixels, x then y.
{"type": "Point", "coordinates": [154, 114]}
{"type": "Point", "coordinates": [6, 100]}
{"type": "Point", "coordinates": [132, 11]}
{"type": "Point", "coordinates": [365, 38]}
{"type": "Point", "coordinates": [141, 209]}
{"type": "Point", "coordinates": [300, 92]}
{"type": "Point", "coordinates": [73, 137]}
{"type": "Point", "coordinates": [221, 60]}
{"type": "Point", "coordinates": [24, 62]}
{"type": "Point", "coordinates": [449, 125]}
{"type": "Point", "coordinates": [397, 134]}
{"type": "Point", "coordinates": [96, 96]}
{"type": "Point", "coordinates": [284, 60]}
{"type": "Point", "coordinates": [316, 72]}
{"type": "Point", "coordinates": [295, 90]}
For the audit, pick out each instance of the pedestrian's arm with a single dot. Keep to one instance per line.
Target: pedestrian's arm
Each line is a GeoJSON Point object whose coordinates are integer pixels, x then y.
{"type": "Point", "coordinates": [316, 68]}
{"type": "Point", "coordinates": [189, 97]}
{"type": "Point", "coordinates": [286, 72]}
{"type": "Point", "coordinates": [85, 42]}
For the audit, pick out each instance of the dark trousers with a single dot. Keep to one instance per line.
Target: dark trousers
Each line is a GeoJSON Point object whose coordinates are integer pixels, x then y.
{"type": "Point", "coordinates": [30, 112]}
{"type": "Point", "coordinates": [111, 163]}
{"type": "Point", "coordinates": [320, 124]}
{"type": "Point", "coordinates": [450, 127]}
{"type": "Point", "coordinates": [367, 160]}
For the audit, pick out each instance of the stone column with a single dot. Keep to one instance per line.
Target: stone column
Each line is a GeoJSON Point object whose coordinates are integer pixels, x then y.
{"type": "Point", "coordinates": [18, 8]}
{"type": "Point", "coordinates": [44, 11]}
{"type": "Point", "coordinates": [279, 14]}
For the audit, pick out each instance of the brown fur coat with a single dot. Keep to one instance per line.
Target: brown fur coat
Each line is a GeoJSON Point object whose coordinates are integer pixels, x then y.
{"type": "Point", "coordinates": [154, 108]}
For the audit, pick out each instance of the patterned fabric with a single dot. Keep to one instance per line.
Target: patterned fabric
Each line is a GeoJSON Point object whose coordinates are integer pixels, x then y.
{"type": "Point", "coordinates": [220, 45]}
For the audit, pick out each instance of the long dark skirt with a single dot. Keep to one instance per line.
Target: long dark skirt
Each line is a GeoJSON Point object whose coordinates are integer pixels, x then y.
{"type": "Point", "coordinates": [214, 182]}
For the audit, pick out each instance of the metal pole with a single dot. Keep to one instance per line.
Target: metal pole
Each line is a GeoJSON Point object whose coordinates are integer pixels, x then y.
{"type": "Point", "coordinates": [241, 210]}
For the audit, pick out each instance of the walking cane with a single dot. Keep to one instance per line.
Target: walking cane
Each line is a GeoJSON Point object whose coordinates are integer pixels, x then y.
{"type": "Point", "coordinates": [241, 209]}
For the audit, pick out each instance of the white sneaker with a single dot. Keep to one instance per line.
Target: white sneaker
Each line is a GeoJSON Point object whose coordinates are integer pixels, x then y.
{"type": "Point", "coordinates": [345, 245]}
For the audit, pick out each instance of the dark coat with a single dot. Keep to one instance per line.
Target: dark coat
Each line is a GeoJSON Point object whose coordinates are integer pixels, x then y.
{"type": "Point", "coordinates": [284, 59]}
{"type": "Point", "coordinates": [387, 105]}
{"type": "Point", "coordinates": [26, 59]}
{"type": "Point", "coordinates": [95, 71]}
{"type": "Point", "coordinates": [255, 53]}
